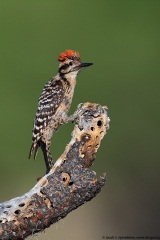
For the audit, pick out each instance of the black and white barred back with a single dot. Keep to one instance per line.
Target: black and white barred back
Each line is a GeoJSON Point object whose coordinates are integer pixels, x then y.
{"type": "Point", "coordinates": [50, 98]}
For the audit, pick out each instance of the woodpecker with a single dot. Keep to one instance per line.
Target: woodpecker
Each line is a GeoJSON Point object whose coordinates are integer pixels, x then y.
{"type": "Point", "coordinates": [54, 103]}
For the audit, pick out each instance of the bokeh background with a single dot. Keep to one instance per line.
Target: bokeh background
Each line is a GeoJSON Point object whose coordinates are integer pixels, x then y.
{"type": "Point", "coordinates": [122, 39]}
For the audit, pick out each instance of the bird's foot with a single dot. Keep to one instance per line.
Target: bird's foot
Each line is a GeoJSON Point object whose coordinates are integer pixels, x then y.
{"type": "Point", "coordinates": [81, 109]}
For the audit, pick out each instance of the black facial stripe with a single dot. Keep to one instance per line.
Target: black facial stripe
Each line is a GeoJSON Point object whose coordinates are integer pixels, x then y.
{"type": "Point", "coordinates": [63, 67]}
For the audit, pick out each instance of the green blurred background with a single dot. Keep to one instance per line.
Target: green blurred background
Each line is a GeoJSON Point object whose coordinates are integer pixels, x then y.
{"type": "Point", "coordinates": [122, 39]}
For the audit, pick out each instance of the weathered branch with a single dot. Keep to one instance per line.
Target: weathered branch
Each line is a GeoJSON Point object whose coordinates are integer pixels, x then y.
{"type": "Point", "coordinates": [68, 185]}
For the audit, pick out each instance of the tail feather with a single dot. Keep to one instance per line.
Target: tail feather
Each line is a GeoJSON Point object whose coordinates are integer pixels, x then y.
{"type": "Point", "coordinates": [47, 156]}
{"type": "Point", "coordinates": [46, 153]}
{"type": "Point", "coordinates": [31, 151]}
{"type": "Point", "coordinates": [35, 149]}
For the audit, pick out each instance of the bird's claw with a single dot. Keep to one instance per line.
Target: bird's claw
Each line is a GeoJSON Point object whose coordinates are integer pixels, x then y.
{"type": "Point", "coordinates": [79, 112]}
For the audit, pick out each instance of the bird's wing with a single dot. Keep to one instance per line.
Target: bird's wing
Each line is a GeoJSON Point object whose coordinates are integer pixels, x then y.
{"type": "Point", "coordinates": [49, 101]}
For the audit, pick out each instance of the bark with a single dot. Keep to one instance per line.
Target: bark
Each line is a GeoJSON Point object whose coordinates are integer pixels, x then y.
{"type": "Point", "coordinates": [67, 186]}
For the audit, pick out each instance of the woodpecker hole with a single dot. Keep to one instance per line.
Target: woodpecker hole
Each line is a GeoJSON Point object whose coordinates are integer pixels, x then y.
{"type": "Point", "coordinates": [70, 183]}
{"type": "Point", "coordinates": [21, 204]}
{"type": "Point", "coordinates": [65, 178]}
{"type": "Point", "coordinates": [99, 123]}
{"type": "Point", "coordinates": [17, 211]}
{"type": "Point", "coordinates": [8, 206]}
{"type": "Point", "coordinates": [49, 204]}
{"type": "Point", "coordinates": [43, 195]}
{"type": "Point", "coordinates": [41, 192]}
{"type": "Point", "coordinates": [5, 212]}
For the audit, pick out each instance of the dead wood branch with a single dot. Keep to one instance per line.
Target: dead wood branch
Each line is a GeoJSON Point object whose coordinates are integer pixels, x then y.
{"type": "Point", "coordinates": [68, 185]}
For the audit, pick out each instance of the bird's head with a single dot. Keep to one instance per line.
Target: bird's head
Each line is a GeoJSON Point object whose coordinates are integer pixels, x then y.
{"type": "Point", "coordinates": [70, 63]}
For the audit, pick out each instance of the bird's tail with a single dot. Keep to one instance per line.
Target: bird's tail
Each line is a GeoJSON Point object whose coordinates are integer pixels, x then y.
{"type": "Point", "coordinates": [34, 147]}
{"type": "Point", "coordinates": [47, 155]}
{"type": "Point", "coordinates": [46, 152]}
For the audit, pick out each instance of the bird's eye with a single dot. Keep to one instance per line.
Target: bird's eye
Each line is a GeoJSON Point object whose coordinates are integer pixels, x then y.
{"type": "Point", "coordinates": [71, 63]}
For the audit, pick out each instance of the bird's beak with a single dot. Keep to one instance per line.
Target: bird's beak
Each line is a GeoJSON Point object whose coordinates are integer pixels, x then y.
{"type": "Point", "coordinates": [82, 65]}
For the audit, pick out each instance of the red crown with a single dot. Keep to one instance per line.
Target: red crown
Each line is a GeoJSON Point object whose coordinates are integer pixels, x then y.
{"type": "Point", "coordinates": [68, 54]}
